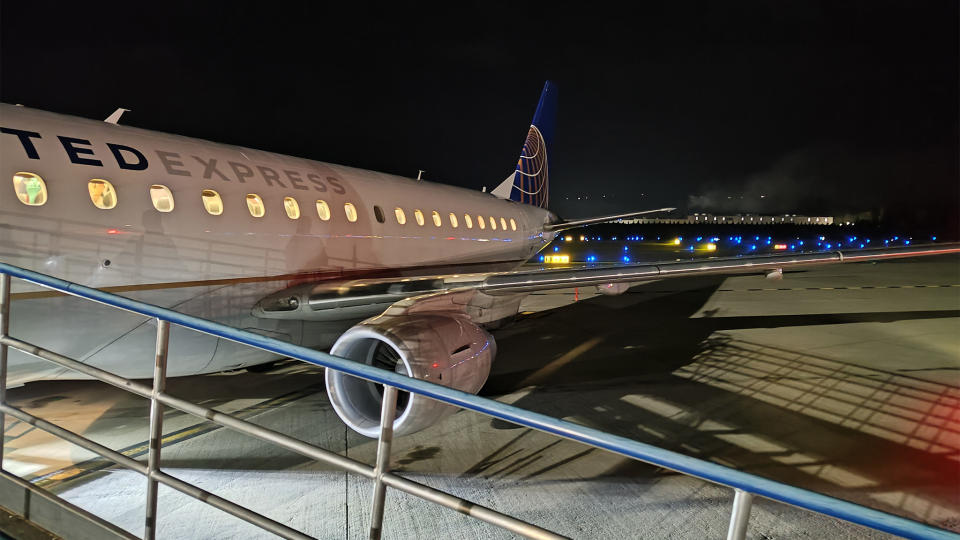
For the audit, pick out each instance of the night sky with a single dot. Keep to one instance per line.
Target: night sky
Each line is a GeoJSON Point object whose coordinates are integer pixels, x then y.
{"type": "Point", "coordinates": [821, 107]}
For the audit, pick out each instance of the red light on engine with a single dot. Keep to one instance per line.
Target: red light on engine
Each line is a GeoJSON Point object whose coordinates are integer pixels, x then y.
{"type": "Point", "coordinates": [113, 231]}
{"type": "Point", "coordinates": [436, 365]}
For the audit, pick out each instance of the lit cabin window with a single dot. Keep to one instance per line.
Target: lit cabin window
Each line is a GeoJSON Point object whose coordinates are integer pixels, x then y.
{"type": "Point", "coordinates": [436, 218]}
{"type": "Point", "coordinates": [102, 193]}
{"type": "Point", "coordinates": [378, 213]}
{"type": "Point", "coordinates": [481, 222]}
{"type": "Point", "coordinates": [161, 197]}
{"type": "Point", "coordinates": [503, 224]}
{"type": "Point", "coordinates": [212, 202]}
{"type": "Point", "coordinates": [493, 223]}
{"type": "Point", "coordinates": [351, 211]}
{"type": "Point", "coordinates": [30, 188]}
{"type": "Point", "coordinates": [468, 220]}
{"type": "Point", "coordinates": [513, 225]}
{"type": "Point", "coordinates": [419, 216]}
{"type": "Point", "coordinates": [453, 220]}
{"type": "Point", "coordinates": [255, 205]}
{"type": "Point", "coordinates": [291, 207]}
{"type": "Point", "coordinates": [323, 210]}
{"type": "Point", "coordinates": [401, 217]}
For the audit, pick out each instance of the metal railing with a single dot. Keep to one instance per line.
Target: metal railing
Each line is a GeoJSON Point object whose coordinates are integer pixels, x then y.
{"type": "Point", "coordinates": [746, 486]}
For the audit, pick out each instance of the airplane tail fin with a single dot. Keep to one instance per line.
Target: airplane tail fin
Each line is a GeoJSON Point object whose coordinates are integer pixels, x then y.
{"type": "Point", "coordinates": [529, 183]}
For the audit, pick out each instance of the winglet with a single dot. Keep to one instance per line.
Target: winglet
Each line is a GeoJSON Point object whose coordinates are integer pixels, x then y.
{"type": "Point", "coordinates": [115, 117]}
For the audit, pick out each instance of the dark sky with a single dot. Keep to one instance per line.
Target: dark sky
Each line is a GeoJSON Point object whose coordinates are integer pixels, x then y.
{"type": "Point", "coordinates": [819, 106]}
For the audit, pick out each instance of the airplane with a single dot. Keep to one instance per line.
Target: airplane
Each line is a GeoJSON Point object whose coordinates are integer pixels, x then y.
{"type": "Point", "coordinates": [398, 273]}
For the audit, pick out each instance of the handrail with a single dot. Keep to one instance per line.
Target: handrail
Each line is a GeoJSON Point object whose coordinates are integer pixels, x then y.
{"type": "Point", "coordinates": [741, 481]}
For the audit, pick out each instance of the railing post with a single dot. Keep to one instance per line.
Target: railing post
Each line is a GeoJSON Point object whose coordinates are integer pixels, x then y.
{"type": "Point", "coordinates": [387, 413]}
{"type": "Point", "coordinates": [4, 330]}
{"type": "Point", "coordinates": [742, 501]}
{"type": "Point", "coordinates": [156, 426]}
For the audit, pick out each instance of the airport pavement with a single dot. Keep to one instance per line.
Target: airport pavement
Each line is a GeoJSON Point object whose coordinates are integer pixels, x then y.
{"type": "Point", "coordinates": [842, 379]}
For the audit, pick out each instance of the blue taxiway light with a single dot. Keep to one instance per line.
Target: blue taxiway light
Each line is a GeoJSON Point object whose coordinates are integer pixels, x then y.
{"type": "Point", "coordinates": [829, 246]}
{"type": "Point", "coordinates": [906, 242]}
{"type": "Point", "coordinates": [556, 248]}
{"type": "Point", "coordinates": [626, 259]}
{"type": "Point", "coordinates": [934, 238]}
{"type": "Point", "coordinates": [753, 247]}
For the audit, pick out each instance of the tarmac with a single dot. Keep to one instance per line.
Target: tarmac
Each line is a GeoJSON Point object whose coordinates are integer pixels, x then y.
{"type": "Point", "coordinates": [843, 379]}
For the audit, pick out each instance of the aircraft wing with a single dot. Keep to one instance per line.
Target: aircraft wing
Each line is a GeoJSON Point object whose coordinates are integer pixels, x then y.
{"type": "Point", "coordinates": [516, 282]}
{"type": "Point", "coordinates": [363, 298]}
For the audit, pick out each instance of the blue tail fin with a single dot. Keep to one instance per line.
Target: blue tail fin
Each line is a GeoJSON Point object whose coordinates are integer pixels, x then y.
{"type": "Point", "coordinates": [530, 182]}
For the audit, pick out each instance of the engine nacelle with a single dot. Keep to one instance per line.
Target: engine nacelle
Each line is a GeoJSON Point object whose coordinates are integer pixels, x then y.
{"type": "Point", "coordinates": [440, 348]}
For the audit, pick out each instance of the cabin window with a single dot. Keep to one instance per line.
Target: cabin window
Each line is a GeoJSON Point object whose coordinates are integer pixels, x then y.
{"type": "Point", "coordinates": [30, 188]}
{"type": "Point", "coordinates": [291, 207]}
{"type": "Point", "coordinates": [453, 220]}
{"type": "Point", "coordinates": [378, 213]}
{"type": "Point", "coordinates": [436, 218]}
{"type": "Point", "coordinates": [323, 210]}
{"type": "Point", "coordinates": [351, 211]}
{"type": "Point", "coordinates": [468, 220]}
{"type": "Point", "coordinates": [401, 217]}
{"type": "Point", "coordinates": [503, 224]}
{"type": "Point", "coordinates": [255, 205]}
{"type": "Point", "coordinates": [481, 222]}
{"type": "Point", "coordinates": [493, 223]}
{"type": "Point", "coordinates": [513, 225]}
{"type": "Point", "coordinates": [419, 217]}
{"type": "Point", "coordinates": [102, 193]}
{"type": "Point", "coordinates": [161, 197]}
{"type": "Point", "coordinates": [212, 202]}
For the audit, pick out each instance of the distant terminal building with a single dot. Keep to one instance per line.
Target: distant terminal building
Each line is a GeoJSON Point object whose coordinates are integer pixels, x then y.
{"type": "Point", "coordinates": [735, 219]}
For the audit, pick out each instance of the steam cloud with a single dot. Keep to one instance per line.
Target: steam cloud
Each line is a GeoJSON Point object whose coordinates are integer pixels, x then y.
{"type": "Point", "coordinates": [832, 181]}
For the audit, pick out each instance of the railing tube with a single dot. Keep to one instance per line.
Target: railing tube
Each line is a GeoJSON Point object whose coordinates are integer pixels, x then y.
{"type": "Point", "coordinates": [4, 330]}
{"type": "Point", "coordinates": [742, 501]}
{"type": "Point", "coordinates": [387, 414]}
{"type": "Point", "coordinates": [156, 426]}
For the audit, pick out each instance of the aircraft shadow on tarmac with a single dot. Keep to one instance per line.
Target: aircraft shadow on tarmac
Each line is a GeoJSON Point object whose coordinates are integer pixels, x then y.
{"type": "Point", "coordinates": [638, 366]}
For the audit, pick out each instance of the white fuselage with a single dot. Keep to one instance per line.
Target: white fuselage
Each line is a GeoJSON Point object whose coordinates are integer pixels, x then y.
{"type": "Point", "coordinates": [214, 266]}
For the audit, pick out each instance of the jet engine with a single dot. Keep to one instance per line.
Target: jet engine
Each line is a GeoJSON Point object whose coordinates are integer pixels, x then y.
{"type": "Point", "coordinates": [442, 348]}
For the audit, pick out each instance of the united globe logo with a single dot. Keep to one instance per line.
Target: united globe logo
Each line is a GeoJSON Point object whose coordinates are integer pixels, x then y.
{"type": "Point", "coordinates": [530, 182]}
